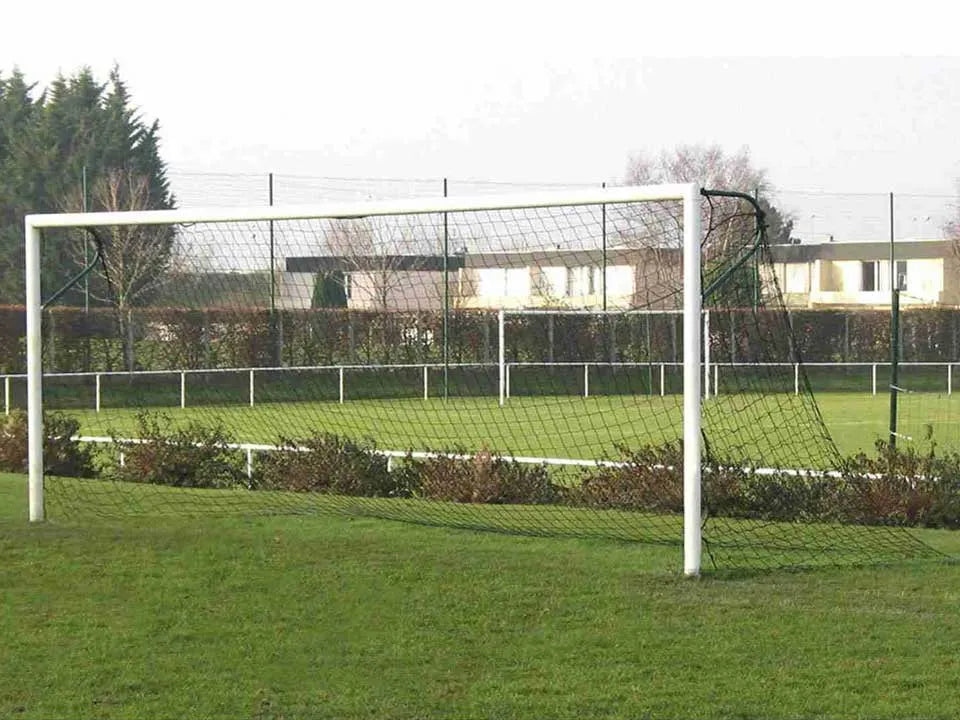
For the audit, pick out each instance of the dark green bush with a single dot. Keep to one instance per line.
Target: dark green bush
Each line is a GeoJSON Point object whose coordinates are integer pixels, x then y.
{"type": "Point", "coordinates": [651, 478]}
{"type": "Point", "coordinates": [61, 455]}
{"type": "Point", "coordinates": [894, 487]}
{"type": "Point", "coordinates": [484, 478]}
{"type": "Point", "coordinates": [329, 463]}
{"type": "Point", "coordinates": [191, 455]}
{"type": "Point", "coordinates": [902, 486]}
{"type": "Point", "coordinates": [739, 491]}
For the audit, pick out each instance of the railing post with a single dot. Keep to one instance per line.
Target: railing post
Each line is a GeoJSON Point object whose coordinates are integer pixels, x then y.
{"type": "Point", "coordinates": [663, 380]}
{"type": "Point", "coordinates": [251, 388]}
{"type": "Point", "coordinates": [426, 387]}
{"type": "Point", "coordinates": [949, 379]}
{"type": "Point", "coordinates": [501, 358]}
{"type": "Point", "coordinates": [97, 401]}
{"type": "Point", "coordinates": [586, 380]}
{"type": "Point", "coordinates": [249, 464]}
{"type": "Point", "coordinates": [341, 383]}
{"type": "Point", "coordinates": [6, 394]}
{"type": "Point", "coordinates": [183, 390]}
{"type": "Point", "coordinates": [796, 378]}
{"type": "Point", "coordinates": [716, 379]}
{"type": "Point", "coordinates": [874, 378]}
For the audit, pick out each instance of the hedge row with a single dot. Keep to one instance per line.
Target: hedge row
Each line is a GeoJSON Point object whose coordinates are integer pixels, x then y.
{"type": "Point", "coordinates": [154, 339]}
{"type": "Point", "coordinates": [894, 487]}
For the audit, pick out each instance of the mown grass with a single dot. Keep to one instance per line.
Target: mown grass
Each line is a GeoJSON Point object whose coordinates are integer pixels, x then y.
{"type": "Point", "coordinates": [589, 428]}
{"type": "Point", "coordinates": [330, 616]}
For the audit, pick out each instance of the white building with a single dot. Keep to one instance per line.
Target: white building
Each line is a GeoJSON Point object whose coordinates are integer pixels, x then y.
{"type": "Point", "coordinates": [618, 278]}
{"type": "Point", "coordinates": [857, 274]}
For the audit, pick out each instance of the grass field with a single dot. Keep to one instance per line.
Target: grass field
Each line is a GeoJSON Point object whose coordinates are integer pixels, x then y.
{"type": "Point", "coordinates": [558, 426]}
{"type": "Point", "coordinates": [326, 616]}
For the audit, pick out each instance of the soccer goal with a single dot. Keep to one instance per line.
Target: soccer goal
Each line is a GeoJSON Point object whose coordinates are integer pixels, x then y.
{"type": "Point", "coordinates": [533, 363]}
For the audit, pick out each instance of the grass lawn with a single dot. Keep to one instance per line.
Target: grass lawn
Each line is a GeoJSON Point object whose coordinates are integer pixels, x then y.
{"type": "Point", "coordinates": [569, 426]}
{"type": "Point", "coordinates": [326, 616]}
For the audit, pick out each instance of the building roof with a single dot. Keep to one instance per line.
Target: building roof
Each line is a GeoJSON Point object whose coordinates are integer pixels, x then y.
{"type": "Point", "coordinates": [903, 250]}
{"type": "Point", "coordinates": [434, 263]}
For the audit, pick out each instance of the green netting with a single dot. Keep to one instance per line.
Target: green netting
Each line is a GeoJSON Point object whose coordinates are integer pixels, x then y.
{"type": "Point", "coordinates": [369, 381]}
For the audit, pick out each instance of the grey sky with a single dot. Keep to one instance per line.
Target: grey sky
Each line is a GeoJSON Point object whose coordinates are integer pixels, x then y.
{"type": "Point", "coordinates": [535, 91]}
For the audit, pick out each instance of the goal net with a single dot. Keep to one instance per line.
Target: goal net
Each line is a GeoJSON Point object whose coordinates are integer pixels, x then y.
{"type": "Point", "coordinates": [535, 364]}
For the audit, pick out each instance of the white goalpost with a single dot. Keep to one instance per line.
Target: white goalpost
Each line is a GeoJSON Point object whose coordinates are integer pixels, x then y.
{"type": "Point", "coordinates": [695, 322]}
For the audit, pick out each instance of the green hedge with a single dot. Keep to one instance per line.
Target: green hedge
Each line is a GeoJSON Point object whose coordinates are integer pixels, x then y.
{"type": "Point", "coordinates": [156, 339]}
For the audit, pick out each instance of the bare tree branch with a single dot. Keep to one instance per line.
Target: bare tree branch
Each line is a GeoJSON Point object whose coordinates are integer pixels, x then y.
{"type": "Point", "coordinates": [137, 260]}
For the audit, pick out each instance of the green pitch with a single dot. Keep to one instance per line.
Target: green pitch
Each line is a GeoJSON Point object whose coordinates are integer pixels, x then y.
{"type": "Point", "coordinates": [548, 426]}
{"type": "Point", "coordinates": [325, 616]}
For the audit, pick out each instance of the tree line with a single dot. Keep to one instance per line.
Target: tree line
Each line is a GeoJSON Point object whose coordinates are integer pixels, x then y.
{"type": "Point", "coordinates": [80, 145]}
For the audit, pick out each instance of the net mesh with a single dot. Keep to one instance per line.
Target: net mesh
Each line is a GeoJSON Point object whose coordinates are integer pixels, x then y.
{"type": "Point", "coordinates": [511, 370]}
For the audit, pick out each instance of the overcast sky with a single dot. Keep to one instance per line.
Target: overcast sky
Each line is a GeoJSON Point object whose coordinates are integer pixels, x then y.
{"type": "Point", "coordinates": [823, 94]}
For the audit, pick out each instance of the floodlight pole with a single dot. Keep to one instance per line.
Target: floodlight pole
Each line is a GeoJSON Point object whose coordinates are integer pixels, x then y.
{"type": "Point", "coordinates": [86, 247]}
{"type": "Point", "coordinates": [446, 301]}
{"type": "Point", "coordinates": [273, 282]}
{"type": "Point", "coordinates": [894, 335]}
{"type": "Point", "coordinates": [603, 240]}
{"type": "Point", "coordinates": [692, 304]}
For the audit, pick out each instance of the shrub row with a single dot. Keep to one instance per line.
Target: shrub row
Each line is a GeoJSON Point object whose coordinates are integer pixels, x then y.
{"type": "Point", "coordinates": [61, 454]}
{"type": "Point", "coordinates": [893, 487]}
{"type": "Point", "coordinates": [904, 487]}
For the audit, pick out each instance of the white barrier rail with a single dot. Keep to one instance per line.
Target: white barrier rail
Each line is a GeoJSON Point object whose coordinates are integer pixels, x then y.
{"type": "Point", "coordinates": [340, 373]}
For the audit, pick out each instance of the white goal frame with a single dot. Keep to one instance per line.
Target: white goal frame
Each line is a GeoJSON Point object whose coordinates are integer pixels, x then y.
{"type": "Point", "coordinates": [688, 194]}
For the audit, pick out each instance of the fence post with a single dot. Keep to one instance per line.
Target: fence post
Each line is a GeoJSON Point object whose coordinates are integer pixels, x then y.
{"type": "Point", "coordinates": [662, 380]}
{"type": "Point", "coordinates": [249, 464]}
{"type": "Point", "coordinates": [874, 379]}
{"type": "Point", "coordinates": [183, 390]}
{"type": "Point", "coordinates": [6, 394]}
{"type": "Point", "coordinates": [716, 379]}
{"type": "Point", "coordinates": [501, 356]}
{"type": "Point", "coordinates": [426, 388]}
{"type": "Point", "coordinates": [341, 384]}
{"type": "Point", "coordinates": [949, 379]}
{"type": "Point", "coordinates": [586, 380]}
{"type": "Point", "coordinates": [251, 388]}
{"type": "Point", "coordinates": [97, 401]}
{"type": "Point", "coordinates": [796, 378]}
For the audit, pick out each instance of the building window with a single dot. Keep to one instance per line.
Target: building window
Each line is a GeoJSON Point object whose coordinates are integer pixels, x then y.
{"type": "Point", "coordinates": [516, 282]}
{"type": "Point", "coordinates": [868, 276]}
{"type": "Point", "coordinates": [901, 274]}
{"type": "Point", "coordinates": [553, 281]}
{"type": "Point", "coordinates": [504, 282]}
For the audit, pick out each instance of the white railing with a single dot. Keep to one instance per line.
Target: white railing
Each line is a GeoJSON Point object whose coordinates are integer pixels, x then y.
{"type": "Point", "coordinates": [873, 382]}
